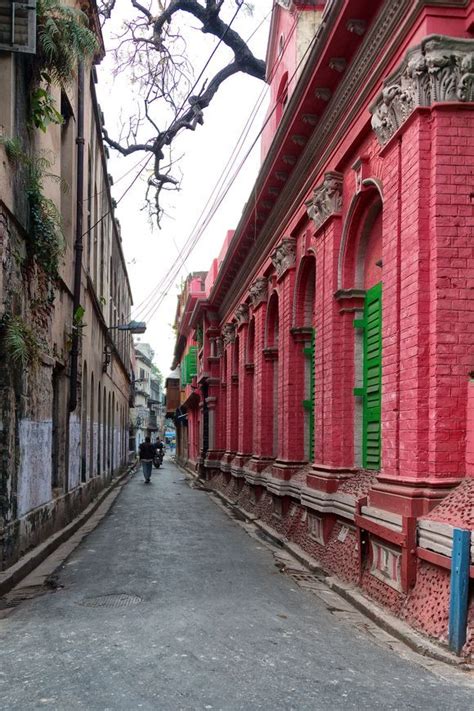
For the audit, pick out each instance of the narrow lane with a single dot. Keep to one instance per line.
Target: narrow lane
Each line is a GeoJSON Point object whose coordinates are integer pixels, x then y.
{"type": "Point", "coordinates": [218, 626]}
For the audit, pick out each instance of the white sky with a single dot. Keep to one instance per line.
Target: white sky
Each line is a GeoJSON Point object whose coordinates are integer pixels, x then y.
{"type": "Point", "coordinates": [149, 253]}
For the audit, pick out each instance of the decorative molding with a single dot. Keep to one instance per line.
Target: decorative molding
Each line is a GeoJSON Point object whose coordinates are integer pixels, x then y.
{"type": "Point", "coordinates": [310, 119]}
{"type": "Point", "coordinates": [338, 64]}
{"type": "Point", "coordinates": [284, 256]}
{"type": "Point", "coordinates": [289, 159]}
{"type": "Point", "coordinates": [273, 190]}
{"type": "Point", "coordinates": [281, 176]}
{"type": "Point", "coordinates": [259, 291]}
{"type": "Point", "coordinates": [299, 140]}
{"type": "Point", "coordinates": [270, 353]}
{"type": "Point", "coordinates": [323, 93]}
{"type": "Point", "coordinates": [357, 27]}
{"type": "Point", "coordinates": [228, 333]}
{"type": "Point", "coordinates": [242, 314]}
{"type": "Point", "coordinates": [326, 199]}
{"type": "Point", "coordinates": [438, 70]}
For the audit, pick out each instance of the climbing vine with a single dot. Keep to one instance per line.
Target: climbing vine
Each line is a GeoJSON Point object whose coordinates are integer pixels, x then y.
{"type": "Point", "coordinates": [45, 240]}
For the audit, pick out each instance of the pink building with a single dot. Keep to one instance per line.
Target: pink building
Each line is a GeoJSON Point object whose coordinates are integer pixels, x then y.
{"type": "Point", "coordinates": [333, 396]}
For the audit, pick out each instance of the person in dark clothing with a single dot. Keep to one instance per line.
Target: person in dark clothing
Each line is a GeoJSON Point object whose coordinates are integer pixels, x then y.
{"type": "Point", "coordinates": [146, 452]}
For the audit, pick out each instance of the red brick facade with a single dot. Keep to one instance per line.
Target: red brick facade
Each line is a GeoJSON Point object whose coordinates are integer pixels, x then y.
{"type": "Point", "coordinates": [333, 396]}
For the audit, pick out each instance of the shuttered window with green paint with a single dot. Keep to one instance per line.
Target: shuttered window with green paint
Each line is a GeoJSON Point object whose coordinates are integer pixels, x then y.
{"type": "Point", "coordinates": [372, 378]}
{"type": "Point", "coordinates": [308, 404]}
{"type": "Point", "coordinates": [192, 362]}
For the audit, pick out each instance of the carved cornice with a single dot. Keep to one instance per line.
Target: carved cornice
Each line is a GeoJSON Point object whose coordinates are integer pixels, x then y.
{"type": "Point", "coordinates": [326, 200]}
{"type": "Point", "coordinates": [440, 69]}
{"type": "Point", "coordinates": [242, 314]}
{"type": "Point", "coordinates": [284, 256]}
{"type": "Point", "coordinates": [259, 291]}
{"type": "Point", "coordinates": [228, 333]}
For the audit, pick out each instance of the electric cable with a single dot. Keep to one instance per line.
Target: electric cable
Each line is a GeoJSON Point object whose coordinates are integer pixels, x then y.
{"type": "Point", "coordinates": [146, 306]}
{"type": "Point", "coordinates": [173, 274]}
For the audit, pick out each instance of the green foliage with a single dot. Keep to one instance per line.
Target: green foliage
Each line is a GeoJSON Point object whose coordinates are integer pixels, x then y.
{"type": "Point", "coordinates": [46, 239]}
{"type": "Point", "coordinates": [20, 344]}
{"type": "Point", "coordinates": [43, 110]}
{"type": "Point", "coordinates": [63, 39]}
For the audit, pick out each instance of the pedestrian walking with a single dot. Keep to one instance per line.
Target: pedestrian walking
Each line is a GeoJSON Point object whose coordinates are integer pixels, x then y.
{"type": "Point", "coordinates": [146, 453]}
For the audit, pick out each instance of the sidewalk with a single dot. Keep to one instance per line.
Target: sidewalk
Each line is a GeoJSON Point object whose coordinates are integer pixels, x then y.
{"type": "Point", "coordinates": [168, 604]}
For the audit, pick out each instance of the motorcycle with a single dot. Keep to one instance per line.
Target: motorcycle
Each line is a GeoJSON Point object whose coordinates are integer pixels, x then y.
{"type": "Point", "coordinates": [158, 458]}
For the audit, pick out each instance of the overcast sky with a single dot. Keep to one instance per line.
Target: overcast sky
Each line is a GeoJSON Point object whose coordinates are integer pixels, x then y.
{"type": "Point", "coordinates": [150, 253]}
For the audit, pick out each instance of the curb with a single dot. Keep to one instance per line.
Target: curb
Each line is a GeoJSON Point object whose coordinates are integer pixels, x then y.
{"type": "Point", "coordinates": [27, 563]}
{"type": "Point", "coordinates": [384, 619]}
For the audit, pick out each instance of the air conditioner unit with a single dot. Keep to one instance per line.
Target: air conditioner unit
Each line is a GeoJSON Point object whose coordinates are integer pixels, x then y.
{"type": "Point", "coordinates": [18, 26]}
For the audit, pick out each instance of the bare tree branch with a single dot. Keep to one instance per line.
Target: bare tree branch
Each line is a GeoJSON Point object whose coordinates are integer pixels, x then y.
{"type": "Point", "coordinates": [156, 56]}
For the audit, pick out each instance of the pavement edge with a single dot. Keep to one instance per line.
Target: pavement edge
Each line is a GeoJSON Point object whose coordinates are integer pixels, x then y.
{"type": "Point", "coordinates": [13, 575]}
{"type": "Point", "coordinates": [384, 619]}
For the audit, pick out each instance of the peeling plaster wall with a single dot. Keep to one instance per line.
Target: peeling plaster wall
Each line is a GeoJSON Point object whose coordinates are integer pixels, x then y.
{"type": "Point", "coordinates": [34, 475]}
{"type": "Point", "coordinates": [74, 451]}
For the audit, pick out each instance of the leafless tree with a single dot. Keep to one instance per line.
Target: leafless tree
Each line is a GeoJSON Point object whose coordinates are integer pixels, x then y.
{"type": "Point", "coordinates": [153, 48]}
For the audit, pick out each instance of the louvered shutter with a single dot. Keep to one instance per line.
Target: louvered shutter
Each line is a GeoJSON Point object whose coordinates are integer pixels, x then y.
{"type": "Point", "coordinates": [309, 403]}
{"type": "Point", "coordinates": [192, 362]}
{"type": "Point", "coordinates": [18, 26]}
{"type": "Point", "coordinates": [372, 378]}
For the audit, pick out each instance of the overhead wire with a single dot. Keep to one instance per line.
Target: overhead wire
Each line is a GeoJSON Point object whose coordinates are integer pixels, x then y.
{"type": "Point", "coordinates": [173, 275]}
{"type": "Point", "coordinates": [150, 306]}
{"type": "Point", "coordinates": [143, 306]}
{"type": "Point", "coordinates": [177, 116]}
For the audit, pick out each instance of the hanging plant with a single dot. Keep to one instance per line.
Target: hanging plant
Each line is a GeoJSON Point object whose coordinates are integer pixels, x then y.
{"type": "Point", "coordinates": [63, 40]}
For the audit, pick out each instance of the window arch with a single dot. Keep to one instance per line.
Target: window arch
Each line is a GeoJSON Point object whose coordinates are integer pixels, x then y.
{"type": "Point", "coordinates": [360, 268]}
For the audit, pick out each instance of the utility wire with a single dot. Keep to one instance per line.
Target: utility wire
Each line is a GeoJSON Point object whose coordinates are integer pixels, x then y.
{"type": "Point", "coordinates": [173, 274]}
{"type": "Point", "coordinates": [145, 304]}
{"type": "Point", "coordinates": [150, 307]}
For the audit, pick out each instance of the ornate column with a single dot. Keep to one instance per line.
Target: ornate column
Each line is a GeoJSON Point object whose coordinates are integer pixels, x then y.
{"type": "Point", "coordinates": [261, 415]}
{"type": "Point", "coordinates": [245, 390]}
{"type": "Point", "coordinates": [423, 122]}
{"type": "Point", "coordinates": [330, 465]}
{"type": "Point", "coordinates": [231, 411]}
{"type": "Point", "coordinates": [289, 410]}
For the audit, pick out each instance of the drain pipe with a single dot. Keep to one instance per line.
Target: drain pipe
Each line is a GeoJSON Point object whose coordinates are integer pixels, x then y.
{"type": "Point", "coordinates": [78, 244]}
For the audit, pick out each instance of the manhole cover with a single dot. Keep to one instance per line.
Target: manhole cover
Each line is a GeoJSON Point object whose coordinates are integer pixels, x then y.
{"type": "Point", "coordinates": [116, 600]}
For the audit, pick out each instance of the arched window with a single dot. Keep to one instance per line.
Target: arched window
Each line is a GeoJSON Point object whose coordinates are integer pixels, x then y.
{"type": "Point", "coordinates": [362, 270]}
{"type": "Point", "coordinates": [305, 360]}
{"type": "Point", "coordinates": [99, 430]}
{"type": "Point", "coordinates": [272, 338]}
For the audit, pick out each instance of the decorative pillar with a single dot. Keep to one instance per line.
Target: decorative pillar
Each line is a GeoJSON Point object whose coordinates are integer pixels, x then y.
{"type": "Point", "coordinates": [261, 413]}
{"type": "Point", "coordinates": [332, 440]}
{"type": "Point", "coordinates": [424, 125]}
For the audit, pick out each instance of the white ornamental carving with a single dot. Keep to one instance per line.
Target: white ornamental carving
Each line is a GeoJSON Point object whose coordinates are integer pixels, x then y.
{"type": "Point", "coordinates": [284, 256]}
{"type": "Point", "coordinates": [242, 314]}
{"type": "Point", "coordinates": [438, 70]}
{"type": "Point", "coordinates": [326, 199]}
{"type": "Point", "coordinates": [259, 291]}
{"type": "Point", "coordinates": [228, 333]}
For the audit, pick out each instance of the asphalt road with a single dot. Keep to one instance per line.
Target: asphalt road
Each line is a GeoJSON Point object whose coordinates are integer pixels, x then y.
{"type": "Point", "coordinates": [219, 627]}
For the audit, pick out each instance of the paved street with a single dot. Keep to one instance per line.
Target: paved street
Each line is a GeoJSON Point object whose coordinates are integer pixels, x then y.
{"type": "Point", "coordinates": [219, 627]}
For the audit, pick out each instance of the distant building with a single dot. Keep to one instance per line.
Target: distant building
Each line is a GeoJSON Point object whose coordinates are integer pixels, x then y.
{"type": "Point", "coordinates": [326, 357]}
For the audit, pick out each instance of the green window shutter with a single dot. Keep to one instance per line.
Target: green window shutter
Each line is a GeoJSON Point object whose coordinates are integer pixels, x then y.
{"type": "Point", "coordinates": [192, 362]}
{"type": "Point", "coordinates": [372, 374]}
{"type": "Point", "coordinates": [308, 404]}
{"type": "Point", "coordinates": [184, 370]}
